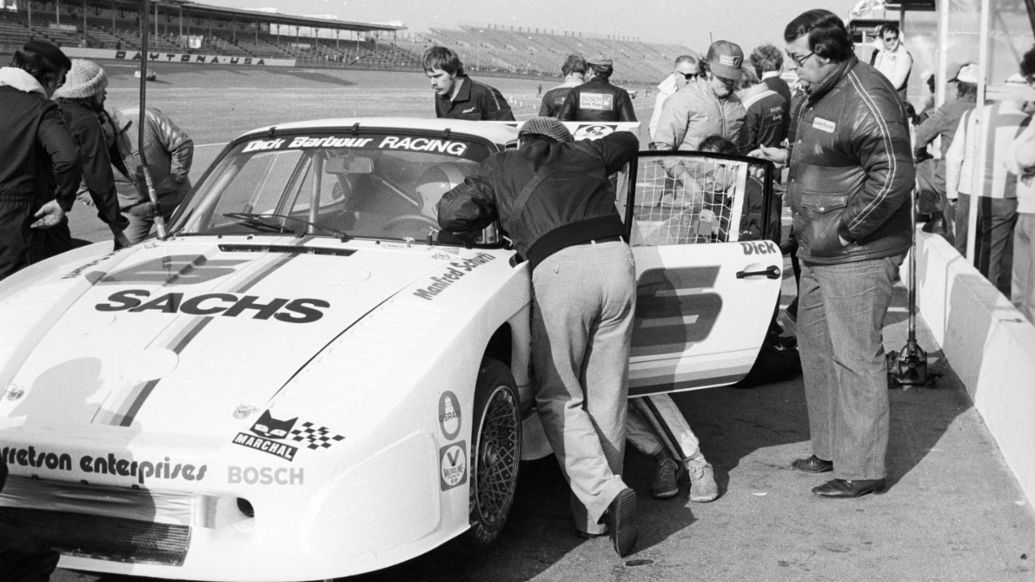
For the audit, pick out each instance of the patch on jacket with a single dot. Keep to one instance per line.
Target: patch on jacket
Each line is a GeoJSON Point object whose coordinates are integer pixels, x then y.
{"type": "Point", "coordinates": [824, 125]}
{"type": "Point", "coordinates": [596, 101]}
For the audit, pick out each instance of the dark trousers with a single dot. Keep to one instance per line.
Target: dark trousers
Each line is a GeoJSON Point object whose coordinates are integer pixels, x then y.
{"type": "Point", "coordinates": [21, 245]}
{"type": "Point", "coordinates": [996, 219]}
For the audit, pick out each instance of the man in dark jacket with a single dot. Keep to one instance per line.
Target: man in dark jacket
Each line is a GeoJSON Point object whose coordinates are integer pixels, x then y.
{"type": "Point", "coordinates": [39, 175]}
{"type": "Point", "coordinates": [553, 197]}
{"type": "Point", "coordinates": [597, 99]}
{"type": "Point", "coordinates": [851, 171]}
{"type": "Point", "coordinates": [574, 70]}
{"type": "Point", "coordinates": [458, 96]}
{"type": "Point", "coordinates": [82, 105]}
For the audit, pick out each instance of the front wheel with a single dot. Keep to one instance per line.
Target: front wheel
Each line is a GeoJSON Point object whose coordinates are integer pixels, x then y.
{"type": "Point", "coordinates": [496, 451]}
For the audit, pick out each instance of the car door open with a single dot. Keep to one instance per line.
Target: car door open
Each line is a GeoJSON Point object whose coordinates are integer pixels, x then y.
{"type": "Point", "coordinates": [702, 227]}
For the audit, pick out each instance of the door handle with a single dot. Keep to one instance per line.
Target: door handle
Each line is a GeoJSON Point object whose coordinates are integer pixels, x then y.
{"type": "Point", "coordinates": [770, 272]}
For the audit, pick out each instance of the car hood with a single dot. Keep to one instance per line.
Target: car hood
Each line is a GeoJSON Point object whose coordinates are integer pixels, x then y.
{"type": "Point", "coordinates": [174, 336]}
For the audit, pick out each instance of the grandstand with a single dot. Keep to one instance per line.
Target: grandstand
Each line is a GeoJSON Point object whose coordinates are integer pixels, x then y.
{"type": "Point", "coordinates": [184, 27]}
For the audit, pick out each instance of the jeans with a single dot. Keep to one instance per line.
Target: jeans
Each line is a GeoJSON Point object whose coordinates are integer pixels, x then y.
{"type": "Point", "coordinates": [582, 321]}
{"type": "Point", "coordinates": [1023, 281]}
{"type": "Point", "coordinates": [841, 311]}
{"type": "Point", "coordinates": [141, 221]}
{"type": "Point", "coordinates": [996, 217]}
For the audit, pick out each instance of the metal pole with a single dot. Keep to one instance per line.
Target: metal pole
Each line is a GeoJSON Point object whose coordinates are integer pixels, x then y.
{"type": "Point", "coordinates": [152, 197]}
{"type": "Point", "coordinates": [977, 177]}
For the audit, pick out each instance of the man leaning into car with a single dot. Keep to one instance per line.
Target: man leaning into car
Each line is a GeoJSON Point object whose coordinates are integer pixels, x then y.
{"type": "Point", "coordinates": [552, 196]}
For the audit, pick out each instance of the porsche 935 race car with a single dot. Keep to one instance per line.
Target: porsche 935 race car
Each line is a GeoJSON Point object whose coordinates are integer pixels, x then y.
{"type": "Point", "coordinates": [307, 379]}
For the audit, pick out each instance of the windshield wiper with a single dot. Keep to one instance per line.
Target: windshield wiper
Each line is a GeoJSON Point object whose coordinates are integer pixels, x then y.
{"type": "Point", "coordinates": [259, 221]}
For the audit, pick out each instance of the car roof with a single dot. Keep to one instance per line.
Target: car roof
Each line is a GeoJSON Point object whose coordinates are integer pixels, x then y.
{"type": "Point", "coordinates": [495, 131]}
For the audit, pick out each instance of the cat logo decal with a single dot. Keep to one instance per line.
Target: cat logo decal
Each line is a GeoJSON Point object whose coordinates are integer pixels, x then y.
{"type": "Point", "coordinates": [267, 432]}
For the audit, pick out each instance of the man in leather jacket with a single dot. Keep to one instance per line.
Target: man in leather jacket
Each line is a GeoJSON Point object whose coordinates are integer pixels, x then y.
{"type": "Point", "coordinates": [553, 197]}
{"type": "Point", "coordinates": [597, 99]}
{"type": "Point", "coordinates": [851, 171]}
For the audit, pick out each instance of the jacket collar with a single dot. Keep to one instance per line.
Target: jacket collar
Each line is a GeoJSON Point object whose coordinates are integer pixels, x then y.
{"type": "Point", "coordinates": [20, 80]}
{"type": "Point", "coordinates": [464, 92]}
{"type": "Point", "coordinates": [832, 81]}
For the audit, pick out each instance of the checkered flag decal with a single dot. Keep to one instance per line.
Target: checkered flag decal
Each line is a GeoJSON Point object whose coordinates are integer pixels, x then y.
{"type": "Point", "coordinates": [317, 437]}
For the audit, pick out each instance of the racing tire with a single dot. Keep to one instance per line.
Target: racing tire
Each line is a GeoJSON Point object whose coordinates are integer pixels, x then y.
{"type": "Point", "coordinates": [495, 452]}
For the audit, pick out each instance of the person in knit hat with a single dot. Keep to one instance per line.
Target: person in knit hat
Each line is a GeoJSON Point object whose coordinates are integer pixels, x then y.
{"type": "Point", "coordinates": [553, 198]}
{"type": "Point", "coordinates": [39, 176]}
{"type": "Point", "coordinates": [82, 105]}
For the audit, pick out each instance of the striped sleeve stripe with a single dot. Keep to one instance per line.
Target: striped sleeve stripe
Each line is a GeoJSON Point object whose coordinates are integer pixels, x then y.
{"type": "Point", "coordinates": [886, 139]}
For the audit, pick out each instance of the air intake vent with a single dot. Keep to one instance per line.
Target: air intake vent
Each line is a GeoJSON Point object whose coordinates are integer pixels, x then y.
{"type": "Point", "coordinates": [297, 250]}
{"type": "Point", "coordinates": [105, 538]}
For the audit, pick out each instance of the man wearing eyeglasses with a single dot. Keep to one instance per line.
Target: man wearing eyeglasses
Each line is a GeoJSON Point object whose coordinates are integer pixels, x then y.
{"type": "Point", "coordinates": [851, 171]}
{"type": "Point", "coordinates": [687, 68]}
{"type": "Point", "coordinates": [892, 59]}
{"type": "Point", "coordinates": [705, 108]}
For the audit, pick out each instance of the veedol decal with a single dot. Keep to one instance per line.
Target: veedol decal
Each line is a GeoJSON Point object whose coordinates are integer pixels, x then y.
{"type": "Point", "coordinates": [302, 310]}
{"type": "Point", "coordinates": [457, 269]}
{"type": "Point", "coordinates": [760, 247]}
{"type": "Point", "coordinates": [449, 415]}
{"type": "Point", "coordinates": [105, 464]}
{"type": "Point", "coordinates": [265, 475]}
{"type": "Point", "coordinates": [270, 430]}
{"type": "Point", "coordinates": [452, 461]}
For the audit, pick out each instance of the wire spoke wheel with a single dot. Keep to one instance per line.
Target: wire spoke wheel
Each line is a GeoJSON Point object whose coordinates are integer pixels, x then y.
{"type": "Point", "coordinates": [497, 452]}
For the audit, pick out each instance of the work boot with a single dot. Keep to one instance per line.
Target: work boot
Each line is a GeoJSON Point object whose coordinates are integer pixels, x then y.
{"type": "Point", "coordinates": [702, 481]}
{"type": "Point", "coordinates": [666, 479]}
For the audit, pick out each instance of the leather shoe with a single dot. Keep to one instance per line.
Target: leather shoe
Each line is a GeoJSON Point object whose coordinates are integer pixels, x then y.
{"type": "Point", "coordinates": [936, 224]}
{"type": "Point", "coordinates": [813, 464]}
{"type": "Point", "coordinates": [619, 519]}
{"type": "Point", "coordinates": [846, 489]}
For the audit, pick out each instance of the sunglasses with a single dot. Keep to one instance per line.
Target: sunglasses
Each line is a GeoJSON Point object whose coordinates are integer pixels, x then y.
{"type": "Point", "coordinates": [689, 76]}
{"type": "Point", "coordinates": [800, 60]}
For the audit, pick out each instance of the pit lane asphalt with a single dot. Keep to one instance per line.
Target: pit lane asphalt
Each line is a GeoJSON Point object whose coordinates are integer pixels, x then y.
{"type": "Point", "coordinates": [953, 511]}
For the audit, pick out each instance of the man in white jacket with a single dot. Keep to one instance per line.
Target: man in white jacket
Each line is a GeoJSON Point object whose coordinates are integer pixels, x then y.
{"type": "Point", "coordinates": [687, 69]}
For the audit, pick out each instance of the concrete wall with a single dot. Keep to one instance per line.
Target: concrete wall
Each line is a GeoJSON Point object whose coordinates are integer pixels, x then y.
{"type": "Point", "coordinates": [989, 344]}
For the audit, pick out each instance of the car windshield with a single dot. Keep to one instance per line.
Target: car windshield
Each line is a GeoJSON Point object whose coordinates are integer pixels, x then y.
{"type": "Point", "coordinates": [344, 185]}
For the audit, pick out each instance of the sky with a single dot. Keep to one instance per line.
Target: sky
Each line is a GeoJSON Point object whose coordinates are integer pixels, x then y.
{"type": "Point", "coordinates": [690, 23]}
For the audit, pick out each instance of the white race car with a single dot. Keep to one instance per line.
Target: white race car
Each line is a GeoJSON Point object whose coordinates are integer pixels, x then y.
{"type": "Point", "coordinates": [307, 380]}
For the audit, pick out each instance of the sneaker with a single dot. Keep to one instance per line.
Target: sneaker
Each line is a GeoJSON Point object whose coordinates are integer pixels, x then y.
{"type": "Point", "coordinates": [702, 483]}
{"type": "Point", "coordinates": [619, 519]}
{"type": "Point", "coordinates": [666, 475]}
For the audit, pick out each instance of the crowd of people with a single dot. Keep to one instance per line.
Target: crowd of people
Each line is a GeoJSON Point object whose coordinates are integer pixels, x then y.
{"type": "Point", "coordinates": [846, 137]}
{"type": "Point", "coordinates": [852, 155]}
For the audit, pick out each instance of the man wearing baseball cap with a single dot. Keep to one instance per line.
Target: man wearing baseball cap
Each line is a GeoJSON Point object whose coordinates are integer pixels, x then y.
{"type": "Point", "coordinates": [39, 176]}
{"type": "Point", "coordinates": [553, 198]}
{"type": "Point", "coordinates": [597, 99]}
{"type": "Point", "coordinates": [942, 123]}
{"type": "Point", "coordinates": [82, 105]}
{"type": "Point", "coordinates": [708, 107]}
